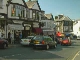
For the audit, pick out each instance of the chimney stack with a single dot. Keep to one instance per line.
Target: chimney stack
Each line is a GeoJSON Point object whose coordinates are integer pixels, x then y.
{"type": "Point", "coordinates": [35, 0]}
{"type": "Point", "coordinates": [60, 16]}
{"type": "Point", "coordinates": [56, 17]}
{"type": "Point", "coordinates": [29, 0]}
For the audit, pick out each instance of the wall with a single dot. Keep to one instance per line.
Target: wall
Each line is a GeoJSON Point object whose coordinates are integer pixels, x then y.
{"type": "Point", "coordinates": [49, 24]}
{"type": "Point", "coordinates": [35, 6]}
{"type": "Point", "coordinates": [4, 8]}
{"type": "Point", "coordinates": [76, 28]}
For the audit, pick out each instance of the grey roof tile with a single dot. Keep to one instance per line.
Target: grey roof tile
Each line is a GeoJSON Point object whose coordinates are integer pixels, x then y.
{"type": "Point", "coordinates": [49, 16]}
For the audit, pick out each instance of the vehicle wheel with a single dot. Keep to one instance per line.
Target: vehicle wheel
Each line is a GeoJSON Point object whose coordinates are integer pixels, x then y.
{"type": "Point", "coordinates": [55, 46]}
{"type": "Point", "coordinates": [4, 45]}
{"type": "Point", "coordinates": [62, 44]}
{"type": "Point", "coordinates": [47, 47]}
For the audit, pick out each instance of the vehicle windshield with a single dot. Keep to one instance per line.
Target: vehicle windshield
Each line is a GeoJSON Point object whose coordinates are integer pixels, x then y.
{"type": "Point", "coordinates": [29, 37]}
{"type": "Point", "coordinates": [64, 38]}
{"type": "Point", "coordinates": [38, 38]}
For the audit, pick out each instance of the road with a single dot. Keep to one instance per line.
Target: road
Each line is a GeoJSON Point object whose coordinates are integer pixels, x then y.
{"type": "Point", "coordinates": [60, 53]}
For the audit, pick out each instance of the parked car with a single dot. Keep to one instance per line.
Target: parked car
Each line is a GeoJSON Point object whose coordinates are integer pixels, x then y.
{"type": "Point", "coordinates": [3, 43]}
{"type": "Point", "coordinates": [78, 37]}
{"type": "Point", "coordinates": [26, 41]}
{"type": "Point", "coordinates": [66, 41]}
{"type": "Point", "coordinates": [43, 42]}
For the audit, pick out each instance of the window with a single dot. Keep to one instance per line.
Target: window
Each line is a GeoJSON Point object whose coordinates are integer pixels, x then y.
{"type": "Point", "coordinates": [70, 28]}
{"type": "Point", "coordinates": [65, 28]}
{"type": "Point", "coordinates": [1, 3]}
{"type": "Point", "coordinates": [66, 23]}
{"type": "Point", "coordinates": [44, 23]}
{"type": "Point", "coordinates": [18, 11]}
{"type": "Point", "coordinates": [13, 10]}
{"type": "Point", "coordinates": [33, 14]}
{"type": "Point", "coordinates": [37, 15]}
{"type": "Point", "coordinates": [79, 28]}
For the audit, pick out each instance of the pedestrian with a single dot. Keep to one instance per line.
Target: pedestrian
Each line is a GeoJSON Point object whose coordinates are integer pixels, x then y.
{"type": "Point", "coordinates": [2, 35]}
{"type": "Point", "coordinates": [17, 37]}
{"type": "Point", "coordinates": [12, 38]}
{"type": "Point", "coordinates": [9, 37]}
{"type": "Point", "coordinates": [20, 35]}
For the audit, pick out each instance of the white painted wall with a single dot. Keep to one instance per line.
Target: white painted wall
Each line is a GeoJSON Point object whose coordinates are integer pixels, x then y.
{"type": "Point", "coordinates": [4, 8]}
{"type": "Point", "coordinates": [76, 28]}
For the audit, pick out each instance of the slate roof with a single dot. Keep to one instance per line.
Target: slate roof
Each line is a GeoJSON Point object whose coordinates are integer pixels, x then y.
{"type": "Point", "coordinates": [49, 16]}
{"type": "Point", "coordinates": [66, 18]}
{"type": "Point", "coordinates": [9, 1]}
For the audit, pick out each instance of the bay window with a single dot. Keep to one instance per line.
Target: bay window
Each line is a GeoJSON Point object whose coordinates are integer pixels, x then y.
{"type": "Point", "coordinates": [18, 11]}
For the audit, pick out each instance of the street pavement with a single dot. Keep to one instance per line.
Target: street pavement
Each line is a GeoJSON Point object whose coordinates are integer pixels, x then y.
{"type": "Point", "coordinates": [18, 52]}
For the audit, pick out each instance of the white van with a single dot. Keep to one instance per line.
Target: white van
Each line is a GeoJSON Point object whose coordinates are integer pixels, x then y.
{"type": "Point", "coordinates": [78, 36]}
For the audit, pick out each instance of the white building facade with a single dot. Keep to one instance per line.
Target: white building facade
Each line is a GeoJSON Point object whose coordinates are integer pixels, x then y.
{"type": "Point", "coordinates": [76, 27]}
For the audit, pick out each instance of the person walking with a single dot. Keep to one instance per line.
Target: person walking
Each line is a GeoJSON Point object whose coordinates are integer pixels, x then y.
{"type": "Point", "coordinates": [12, 38]}
{"type": "Point", "coordinates": [9, 37]}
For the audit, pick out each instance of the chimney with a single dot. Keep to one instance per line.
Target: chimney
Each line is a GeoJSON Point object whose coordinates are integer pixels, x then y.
{"type": "Point", "coordinates": [29, 0]}
{"type": "Point", "coordinates": [60, 16]}
{"type": "Point", "coordinates": [35, 0]}
{"type": "Point", "coordinates": [56, 17]}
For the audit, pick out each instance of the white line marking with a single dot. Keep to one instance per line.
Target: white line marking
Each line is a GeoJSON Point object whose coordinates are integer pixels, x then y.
{"type": "Point", "coordinates": [76, 55]}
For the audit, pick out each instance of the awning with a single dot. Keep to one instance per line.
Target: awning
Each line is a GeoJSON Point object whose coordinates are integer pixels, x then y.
{"type": "Point", "coordinates": [37, 30]}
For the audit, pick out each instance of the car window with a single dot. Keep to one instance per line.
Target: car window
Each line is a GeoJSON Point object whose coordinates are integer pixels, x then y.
{"type": "Point", "coordinates": [48, 39]}
{"type": "Point", "coordinates": [38, 38]}
{"type": "Point", "coordinates": [29, 37]}
{"type": "Point", "coordinates": [65, 38]}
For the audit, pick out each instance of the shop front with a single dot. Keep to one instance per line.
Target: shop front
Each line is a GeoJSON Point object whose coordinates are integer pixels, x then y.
{"type": "Point", "coordinates": [15, 27]}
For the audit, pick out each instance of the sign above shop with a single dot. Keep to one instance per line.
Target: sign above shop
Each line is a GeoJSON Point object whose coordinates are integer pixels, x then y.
{"type": "Point", "coordinates": [35, 24]}
{"type": "Point", "coordinates": [18, 21]}
{"type": "Point", "coordinates": [15, 27]}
